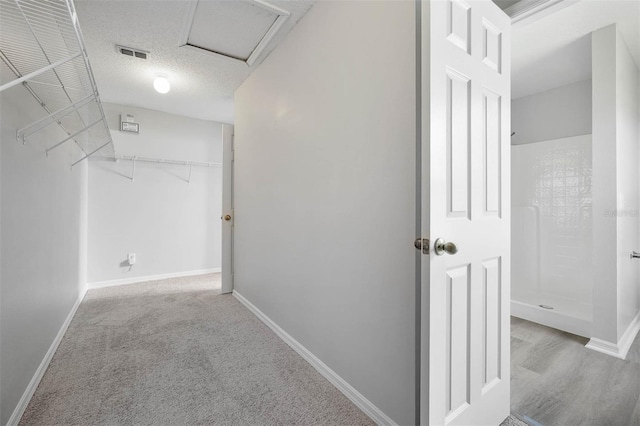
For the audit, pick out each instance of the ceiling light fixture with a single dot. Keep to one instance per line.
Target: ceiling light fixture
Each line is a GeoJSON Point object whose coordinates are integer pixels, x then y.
{"type": "Point", "coordinates": [161, 84]}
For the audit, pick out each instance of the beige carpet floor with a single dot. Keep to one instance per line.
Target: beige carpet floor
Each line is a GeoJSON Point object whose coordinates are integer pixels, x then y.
{"type": "Point", "coordinates": [177, 352]}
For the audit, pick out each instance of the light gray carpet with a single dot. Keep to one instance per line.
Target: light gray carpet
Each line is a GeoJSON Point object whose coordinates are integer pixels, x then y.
{"type": "Point", "coordinates": [177, 352]}
{"type": "Point", "coordinates": [513, 421]}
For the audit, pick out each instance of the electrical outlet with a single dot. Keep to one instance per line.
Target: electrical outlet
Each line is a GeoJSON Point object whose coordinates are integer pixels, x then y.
{"type": "Point", "coordinates": [131, 258]}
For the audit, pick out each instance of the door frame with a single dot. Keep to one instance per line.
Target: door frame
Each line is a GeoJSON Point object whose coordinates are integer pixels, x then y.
{"type": "Point", "coordinates": [227, 218]}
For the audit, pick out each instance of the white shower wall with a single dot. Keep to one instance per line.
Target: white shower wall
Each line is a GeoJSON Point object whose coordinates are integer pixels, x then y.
{"type": "Point", "coordinates": [552, 233]}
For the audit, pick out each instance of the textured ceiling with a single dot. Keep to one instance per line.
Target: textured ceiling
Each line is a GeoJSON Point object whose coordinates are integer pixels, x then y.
{"type": "Point", "coordinates": [549, 52]}
{"type": "Point", "coordinates": [202, 84]}
{"type": "Point", "coordinates": [555, 50]}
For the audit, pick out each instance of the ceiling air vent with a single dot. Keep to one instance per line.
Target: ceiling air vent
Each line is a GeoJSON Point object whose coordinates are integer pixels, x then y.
{"type": "Point", "coordinates": [130, 51]}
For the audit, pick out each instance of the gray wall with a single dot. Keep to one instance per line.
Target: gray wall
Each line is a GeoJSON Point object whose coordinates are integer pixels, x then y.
{"type": "Point", "coordinates": [173, 226]}
{"type": "Point", "coordinates": [43, 237]}
{"type": "Point", "coordinates": [325, 194]}
{"type": "Point", "coordinates": [555, 114]}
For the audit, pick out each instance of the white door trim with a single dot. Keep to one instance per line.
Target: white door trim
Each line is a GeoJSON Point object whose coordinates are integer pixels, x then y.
{"type": "Point", "coordinates": [227, 208]}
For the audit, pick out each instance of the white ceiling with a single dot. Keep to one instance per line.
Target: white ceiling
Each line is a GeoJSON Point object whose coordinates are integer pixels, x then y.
{"type": "Point", "coordinates": [548, 52]}
{"type": "Point", "coordinates": [202, 83]}
{"type": "Point", "coordinates": [555, 50]}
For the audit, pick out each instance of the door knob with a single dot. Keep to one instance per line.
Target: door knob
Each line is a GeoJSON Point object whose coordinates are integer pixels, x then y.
{"type": "Point", "coordinates": [422, 244]}
{"type": "Point", "coordinates": [635, 255]}
{"type": "Point", "coordinates": [441, 247]}
{"type": "Point", "coordinates": [227, 217]}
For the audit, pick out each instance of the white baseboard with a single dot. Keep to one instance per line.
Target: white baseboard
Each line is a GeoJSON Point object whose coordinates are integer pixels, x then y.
{"type": "Point", "coordinates": [42, 368]}
{"type": "Point", "coordinates": [553, 319]}
{"type": "Point", "coordinates": [349, 391]}
{"type": "Point", "coordinates": [135, 280]}
{"type": "Point", "coordinates": [620, 349]}
{"type": "Point", "coordinates": [629, 335]}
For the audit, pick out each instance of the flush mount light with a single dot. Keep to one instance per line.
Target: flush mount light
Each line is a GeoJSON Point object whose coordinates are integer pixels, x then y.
{"type": "Point", "coordinates": [161, 84]}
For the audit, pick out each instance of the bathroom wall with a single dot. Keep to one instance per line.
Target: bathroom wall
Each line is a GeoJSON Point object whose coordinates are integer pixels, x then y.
{"type": "Point", "coordinates": [607, 106]}
{"type": "Point", "coordinates": [552, 226]}
{"type": "Point", "coordinates": [554, 114]}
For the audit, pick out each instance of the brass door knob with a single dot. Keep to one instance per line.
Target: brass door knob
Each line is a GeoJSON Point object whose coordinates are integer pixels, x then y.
{"type": "Point", "coordinates": [227, 217]}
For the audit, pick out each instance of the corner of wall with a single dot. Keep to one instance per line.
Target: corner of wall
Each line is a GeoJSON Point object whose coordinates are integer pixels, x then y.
{"type": "Point", "coordinates": [83, 227]}
{"type": "Point", "coordinates": [622, 346]}
{"type": "Point", "coordinates": [605, 308]}
{"type": "Point", "coordinates": [349, 391]}
{"type": "Point", "coordinates": [627, 188]}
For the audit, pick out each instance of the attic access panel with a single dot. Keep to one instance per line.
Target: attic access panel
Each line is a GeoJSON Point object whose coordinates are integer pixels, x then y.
{"type": "Point", "coordinates": [239, 29]}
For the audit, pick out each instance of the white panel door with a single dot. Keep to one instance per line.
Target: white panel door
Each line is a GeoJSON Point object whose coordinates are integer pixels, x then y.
{"type": "Point", "coordinates": [227, 208]}
{"type": "Point", "coordinates": [465, 200]}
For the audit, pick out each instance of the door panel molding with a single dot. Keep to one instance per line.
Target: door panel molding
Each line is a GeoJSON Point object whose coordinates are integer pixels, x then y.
{"type": "Point", "coordinates": [465, 95]}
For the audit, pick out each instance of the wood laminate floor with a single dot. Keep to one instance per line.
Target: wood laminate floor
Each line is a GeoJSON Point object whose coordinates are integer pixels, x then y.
{"type": "Point", "coordinates": [556, 381]}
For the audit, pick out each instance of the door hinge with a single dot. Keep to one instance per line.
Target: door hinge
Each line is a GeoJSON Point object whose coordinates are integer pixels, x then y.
{"type": "Point", "coordinates": [422, 244]}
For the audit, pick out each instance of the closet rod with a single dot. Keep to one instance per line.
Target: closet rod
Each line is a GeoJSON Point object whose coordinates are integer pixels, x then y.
{"type": "Point", "coordinates": [163, 161]}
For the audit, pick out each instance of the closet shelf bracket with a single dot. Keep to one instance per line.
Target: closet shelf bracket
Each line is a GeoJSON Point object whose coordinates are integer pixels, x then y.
{"type": "Point", "coordinates": [84, 129]}
{"type": "Point", "coordinates": [90, 154]}
{"type": "Point", "coordinates": [25, 132]}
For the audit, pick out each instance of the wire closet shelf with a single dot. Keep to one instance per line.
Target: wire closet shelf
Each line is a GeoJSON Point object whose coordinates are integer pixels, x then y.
{"type": "Point", "coordinates": [42, 49]}
{"type": "Point", "coordinates": [135, 159]}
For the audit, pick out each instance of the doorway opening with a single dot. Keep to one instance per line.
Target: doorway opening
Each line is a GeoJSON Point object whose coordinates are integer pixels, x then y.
{"type": "Point", "coordinates": [560, 167]}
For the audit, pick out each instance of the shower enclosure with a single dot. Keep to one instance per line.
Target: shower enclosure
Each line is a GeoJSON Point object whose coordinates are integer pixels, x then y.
{"type": "Point", "coordinates": [552, 280]}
